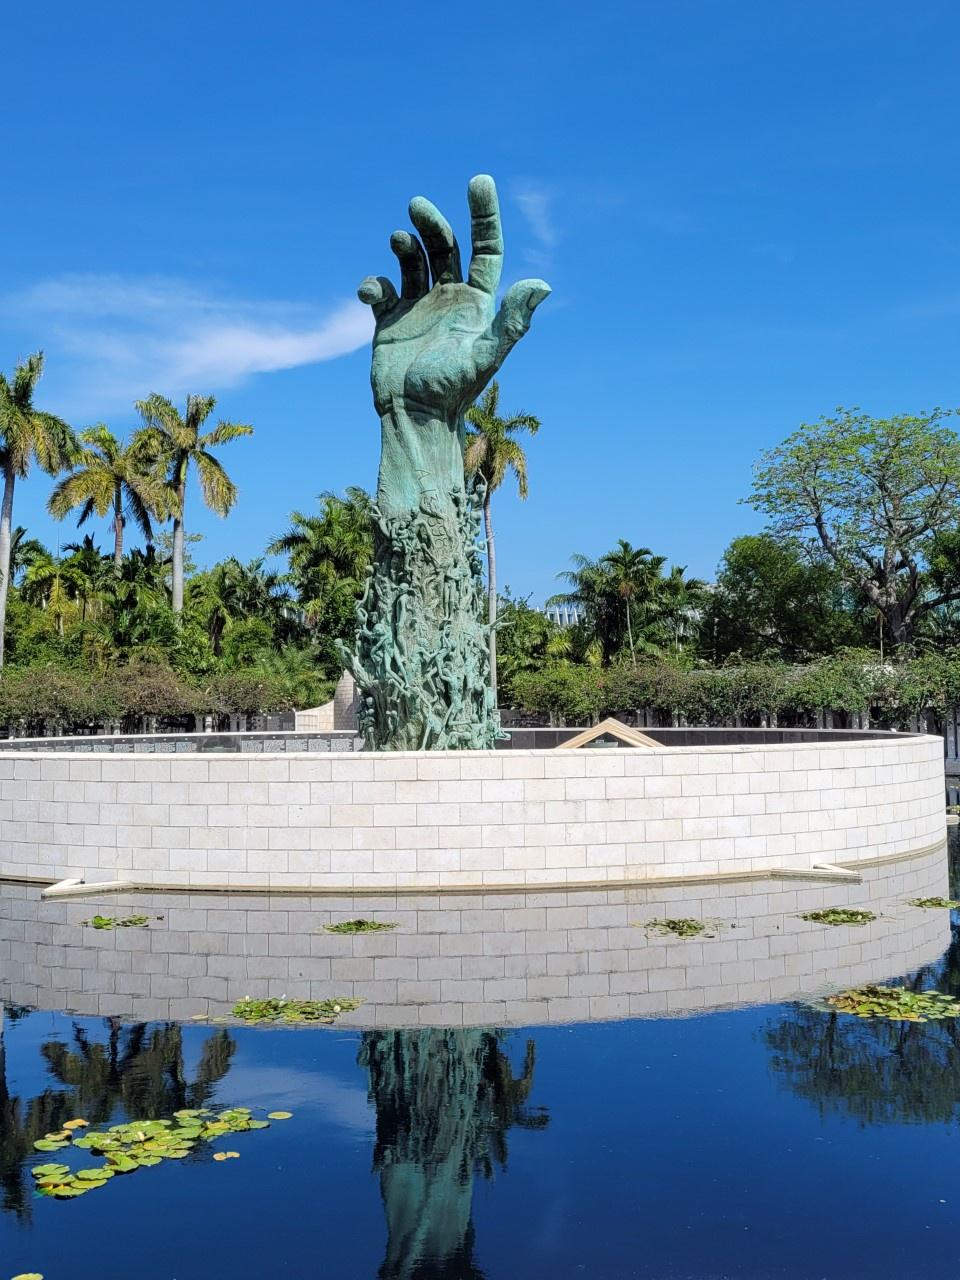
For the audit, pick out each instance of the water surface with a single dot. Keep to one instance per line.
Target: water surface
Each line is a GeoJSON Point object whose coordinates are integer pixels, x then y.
{"type": "Point", "coordinates": [718, 1126]}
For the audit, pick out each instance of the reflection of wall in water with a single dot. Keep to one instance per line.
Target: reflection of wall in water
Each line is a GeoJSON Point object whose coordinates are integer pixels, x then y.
{"type": "Point", "coordinates": [445, 1100]}
{"type": "Point", "coordinates": [469, 959]}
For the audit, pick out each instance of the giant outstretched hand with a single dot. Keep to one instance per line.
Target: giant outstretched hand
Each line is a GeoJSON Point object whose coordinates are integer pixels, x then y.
{"type": "Point", "coordinates": [436, 346]}
{"type": "Point", "coordinates": [421, 657]}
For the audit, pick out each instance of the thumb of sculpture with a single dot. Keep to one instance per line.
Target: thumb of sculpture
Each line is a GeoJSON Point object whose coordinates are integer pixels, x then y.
{"type": "Point", "coordinates": [516, 311]}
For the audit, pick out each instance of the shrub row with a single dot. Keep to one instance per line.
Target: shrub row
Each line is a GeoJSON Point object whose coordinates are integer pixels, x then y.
{"type": "Point", "coordinates": [892, 694]}
{"type": "Point", "coordinates": [50, 700]}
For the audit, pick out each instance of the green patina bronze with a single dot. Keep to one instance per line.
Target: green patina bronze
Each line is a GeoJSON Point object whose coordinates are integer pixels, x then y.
{"type": "Point", "coordinates": [421, 654]}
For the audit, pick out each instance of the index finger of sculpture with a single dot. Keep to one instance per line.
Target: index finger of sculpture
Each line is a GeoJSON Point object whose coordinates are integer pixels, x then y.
{"type": "Point", "coordinates": [438, 240]}
{"type": "Point", "coordinates": [414, 272]}
{"type": "Point", "coordinates": [485, 233]}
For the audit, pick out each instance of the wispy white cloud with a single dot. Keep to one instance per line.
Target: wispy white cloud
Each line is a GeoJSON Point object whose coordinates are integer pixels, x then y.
{"type": "Point", "coordinates": [535, 202]}
{"type": "Point", "coordinates": [115, 339]}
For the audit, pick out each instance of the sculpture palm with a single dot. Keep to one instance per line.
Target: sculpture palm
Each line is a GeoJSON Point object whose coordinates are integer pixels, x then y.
{"type": "Point", "coordinates": [421, 657]}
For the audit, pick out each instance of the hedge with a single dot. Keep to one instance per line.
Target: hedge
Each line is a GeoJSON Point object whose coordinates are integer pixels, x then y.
{"type": "Point", "coordinates": [892, 694]}
{"type": "Point", "coordinates": [44, 700]}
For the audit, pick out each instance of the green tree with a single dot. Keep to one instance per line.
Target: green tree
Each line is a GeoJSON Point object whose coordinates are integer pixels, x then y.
{"type": "Point", "coordinates": [632, 571]}
{"type": "Point", "coordinates": [527, 639]}
{"type": "Point", "coordinates": [27, 435]}
{"type": "Point", "coordinates": [233, 592]}
{"type": "Point", "coordinates": [681, 601]}
{"type": "Point", "coordinates": [89, 567]}
{"type": "Point", "coordinates": [492, 452]}
{"type": "Point", "coordinates": [110, 476]}
{"type": "Point", "coordinates": [625, 601]}
{"type": "Point", "coordinates": [23, 551]}
{"type": "Point", "coordinates": [776, 598]}
{"type": "Point", "coordinates": [872, 494]}
{"type": "Point", "coordinates": [328, 556]}
{"type": "Point", "coordinates": [593, 591]}
{"type": "Point", "coordinates": [175, 443]}
{"type": "Point", "coordinates": [53, 585]}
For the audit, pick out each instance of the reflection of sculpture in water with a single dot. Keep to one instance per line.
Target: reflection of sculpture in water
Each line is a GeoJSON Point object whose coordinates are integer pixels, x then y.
{"type": "Point", "coordinates": [421, 655]}
{"type": "Point", "coordinates": [871, 1069]}
{"type": "Point", "coordinates": [445, 1099]}
{"type": "Point", "coordinates": [138, 1069]}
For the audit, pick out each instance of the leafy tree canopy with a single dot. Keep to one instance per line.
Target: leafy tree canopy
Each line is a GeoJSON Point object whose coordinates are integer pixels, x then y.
{"type": "Point", "coordinates": [873, 495]}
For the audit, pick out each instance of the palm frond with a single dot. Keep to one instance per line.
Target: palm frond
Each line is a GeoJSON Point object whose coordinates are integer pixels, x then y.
{"type": "Point", "coordinates": [219, 491]}
{"type": "Point", "coordinates": [223, 433]}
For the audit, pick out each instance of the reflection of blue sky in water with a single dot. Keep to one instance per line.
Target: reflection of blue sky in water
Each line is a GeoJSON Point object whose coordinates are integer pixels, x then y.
{"type": "Point", "coordinates": [274, 1087]}
{"type": "Point", "coordinates": [673, 1144]}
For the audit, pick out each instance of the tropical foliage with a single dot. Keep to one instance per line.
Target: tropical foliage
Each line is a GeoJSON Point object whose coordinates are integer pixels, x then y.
{"type": "Point", "coordinates": [492, 452]}
{"type": "Point", "coordinates": [27, 435]}
{"type": "Point", "coordinates": [175, 445]}
{"type": "Point", "coordinates": [849, 602]}
{"type": "Point", "coordinates": [874, 497]}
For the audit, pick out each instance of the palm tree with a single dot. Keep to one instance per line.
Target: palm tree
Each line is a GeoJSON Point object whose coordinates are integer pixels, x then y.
{"type": "Point", "coordinates": [490, 453]}
{"type": "Point", "coordinates": [90, 566]}
{"type": "Point", "coordinates": [234, 592]}
{"type": "Point", "coordinates": [630, 571]}
{"type": "Point", "coordinates": [328, 553]}
{"type": "Point", "coordinates": [682, 603]}
{"type": "Point", "coordinates": [54, 585]}
{"type": "Point", "coordinates": [23, 552]}
{"type": "Point", "coordinates": [112, 476]}
{"type": "Point", "coordinates": [27, 434]}
{"type": "Point", "coordinates": [174, 442]}
{"type": "Point", "coordinates": [615, 592]}
{"type": "Point", "coordinates": [592, 591]}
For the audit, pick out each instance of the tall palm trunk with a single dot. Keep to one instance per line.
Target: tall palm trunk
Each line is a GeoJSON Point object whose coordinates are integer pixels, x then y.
{"type": "Point", "coordinates": [633, 652]}
{"type": "Point", "coordinates": [491, 593]}
{"type": "Point", "coordinates": [6, 532]}
{"type": "Point", "coordinates": [118, 530]}
{"type": "Point", "coordinates": [177, 585]}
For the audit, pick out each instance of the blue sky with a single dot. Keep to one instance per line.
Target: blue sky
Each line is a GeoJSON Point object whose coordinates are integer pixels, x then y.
{"type": "Point", "coordinates": [748, 212]}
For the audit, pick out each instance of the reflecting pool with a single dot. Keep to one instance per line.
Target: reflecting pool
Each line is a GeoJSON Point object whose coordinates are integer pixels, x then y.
{"type": "Point", "coordinates": [535, 1088]}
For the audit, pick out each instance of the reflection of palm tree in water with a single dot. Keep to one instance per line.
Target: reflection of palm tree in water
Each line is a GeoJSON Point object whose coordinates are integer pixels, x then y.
{"type": "Point", "coordinates": [876, 1071]}
{"type": "Point", "coordinates": [138, 1069]}
{"type": "Point", "coordinates": [445, 1099]}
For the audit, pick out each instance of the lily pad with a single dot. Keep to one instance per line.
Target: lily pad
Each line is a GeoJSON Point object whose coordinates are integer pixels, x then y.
{"type": "Point", "coordinates": [279, 1115]}
{"type": "Point", "coordinates": [138, 1144]}
{"type": "Point", "coordinates": [361, 926]}
{"type": "Point", "coordinates": [683, 927]}
{"type": "Point", "coordinates": [278, 1009]}
{"type": "Point", "coordinates": [119, 922]}
{"type": "Point", "coordinates": [896, 1004]}
{"type": "Point", "coordinates": [49, 1144]}
{"type": "Point", "coordinates": [838, 915]}
{"type": "Point", "coordinates": [28, 1275]}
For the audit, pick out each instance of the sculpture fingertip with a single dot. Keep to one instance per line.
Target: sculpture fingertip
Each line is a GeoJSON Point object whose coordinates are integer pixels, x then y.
{"type": "Point", "coordinates": [370, 291]}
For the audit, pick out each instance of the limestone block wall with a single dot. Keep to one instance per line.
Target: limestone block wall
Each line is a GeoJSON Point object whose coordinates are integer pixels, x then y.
{"type": "Point", "coordinates": [518, 819]}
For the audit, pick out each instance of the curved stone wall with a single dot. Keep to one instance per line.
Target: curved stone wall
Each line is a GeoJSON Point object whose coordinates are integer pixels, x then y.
{"type": "Point", "coordinates": [517, 819]}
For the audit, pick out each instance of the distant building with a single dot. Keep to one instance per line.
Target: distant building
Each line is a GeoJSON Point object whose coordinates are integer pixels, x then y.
{"type": "Point", "coordinates": [564, 615]}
